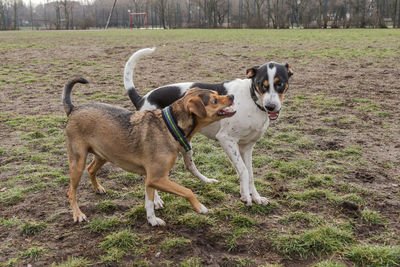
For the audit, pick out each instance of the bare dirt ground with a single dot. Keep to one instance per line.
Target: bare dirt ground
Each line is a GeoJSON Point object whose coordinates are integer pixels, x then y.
{"type": "Point", "coordinates": [339, 134]}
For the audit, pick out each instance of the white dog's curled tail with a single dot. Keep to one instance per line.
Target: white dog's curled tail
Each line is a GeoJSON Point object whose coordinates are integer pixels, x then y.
{"type": "Point", "coordinates": [128, 75]}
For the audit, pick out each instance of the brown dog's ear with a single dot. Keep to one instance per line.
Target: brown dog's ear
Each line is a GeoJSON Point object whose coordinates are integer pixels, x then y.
{"type": "Point", "coordinates": [289, 70]}
{"type": "Point", "coordinates": [196, 106]}
{"type": "Point", "coordinates": [251, 72]}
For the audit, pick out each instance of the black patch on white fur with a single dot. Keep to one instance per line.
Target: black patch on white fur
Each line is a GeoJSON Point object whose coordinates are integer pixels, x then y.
{"type": "Point", "coordinates": [164, 96]}
{"type": "Point", "coordinates": [220, 88]}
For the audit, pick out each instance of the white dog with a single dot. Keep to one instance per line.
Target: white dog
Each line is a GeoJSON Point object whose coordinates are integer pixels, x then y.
{"type": "Point", "coordinates": [258, 99]}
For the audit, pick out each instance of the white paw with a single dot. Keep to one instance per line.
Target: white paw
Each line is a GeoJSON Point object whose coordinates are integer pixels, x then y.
{"type": "Point", "coordinates": [210, 181]}
{"type": "Point", "coordinates": [154, 221]}
{"type": "Point", "coordinates": [246, 200]}
{"type": "Point", "coordinates": [203, 209]}
{"type": "Point", "coordinates": [260, 200]}
{"type": "Point", "coordinates": [158, 202]}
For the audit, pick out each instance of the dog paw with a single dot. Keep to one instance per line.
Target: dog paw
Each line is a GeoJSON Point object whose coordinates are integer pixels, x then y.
{"type": "Point", "coordinates": [154, 221]}
{"type": "Point", "coordinates": [246, 200]}
{"type": "Point", "coordinates": [158, 202]}
{"type": "Point", "coordinates": [261, 200]}
{"type": "Point", "coordinates": [100, 190]}
{"type": "Point", "coordinates": [80, 217]}
{"type": "Point", "coordinates": [203, 209]}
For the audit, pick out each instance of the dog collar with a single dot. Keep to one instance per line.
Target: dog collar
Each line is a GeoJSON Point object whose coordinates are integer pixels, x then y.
{"type": "Point", "coordinates": [174, 129]}
{"type": "Point", "coordinates": [254, 97]}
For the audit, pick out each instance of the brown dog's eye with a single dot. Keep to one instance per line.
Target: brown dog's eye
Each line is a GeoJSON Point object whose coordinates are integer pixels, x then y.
{"type": "Point", "coordinates": [215, 101]}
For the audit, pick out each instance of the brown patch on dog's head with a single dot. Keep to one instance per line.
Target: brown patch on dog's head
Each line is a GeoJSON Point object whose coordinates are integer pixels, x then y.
{"type": "Point", "coordinates": [289, 69]}
{"type": "Point", "coordinates": [280, 97]}
{"type": "Point", "coordinates": [250, 73]}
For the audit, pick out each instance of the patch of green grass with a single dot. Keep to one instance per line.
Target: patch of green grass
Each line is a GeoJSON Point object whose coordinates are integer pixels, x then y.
{"type": "Point", "coordinates": [73, 262]}
{"type": "Point", "coordinates": [314, 194]}
{"type": "Point", "coordinates": [170, 245]}
{"type": "Point", "coordinates": [237, 261]}
{"type": "Point", "coordinates": [328, 263]}
{"type": "Point", "coordinates": [258, 209]}
{"type": "Point", "coordinates": [293, 169]}
{"type": "Point", "coordinates": [383, 114]}
{"type": "Point", "coordinates": [195, 221]}
{"type": "Point", "coordinates": [12, 196]}
{"type": "Point", "coordinates": [371, 107]}
{"type": "Point", "coordinates": [233, 238]}
{"type": "Point", "coordinates": [191, 262]}
{"type": "Point", "coordinates": [322, 240]}
{"type": "Point", "coordinates": [11, 262]}
{"type": "Point", "coordinates": [32, 228]}
{"type": "Point", "coordinates": [123, 240]}
{"type": "Point", "coordinates": [10, 222]}
{"type": "Point", "coordinates": [316, 180]}
{"type": "Point", "coordinates": [243, 221]}
{"type": "Point", "coordinates": [99, 225]}
{"type": "Point", "coordinates": [137, 213]}
{"type": "Point", "coordinates": [106, 206]}
{"type": "Point", "coordinates": [372, 217]}
{"type": "Point", "coordinates": [374, 256]}
{"type": "Point", "coordinates": [304, 218]}
{"type": "Point", "coordinates": [33, 253]}
{"type": "Point", "coordinates": [354, 152]}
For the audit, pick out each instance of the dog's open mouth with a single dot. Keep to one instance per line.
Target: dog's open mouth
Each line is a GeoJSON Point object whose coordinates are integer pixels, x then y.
{"type": "Point", "coordinates": [227, 112]}
{"type": "Point", "coordinates": [273, 115]}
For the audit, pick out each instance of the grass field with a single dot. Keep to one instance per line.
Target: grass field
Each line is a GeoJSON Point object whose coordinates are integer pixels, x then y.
{"type": "Point", "coordinates": [330, 165]}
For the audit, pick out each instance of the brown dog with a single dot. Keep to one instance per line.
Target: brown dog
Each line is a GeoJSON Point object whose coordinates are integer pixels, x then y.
{"type": "Point", "coordinates": [138, 142]}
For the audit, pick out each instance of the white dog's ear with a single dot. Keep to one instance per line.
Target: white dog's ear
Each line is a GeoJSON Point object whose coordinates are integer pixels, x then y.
{"type": "Point", "coordinates": [251, 72]}
{"type": "Point", "coordinates": [289, 70]}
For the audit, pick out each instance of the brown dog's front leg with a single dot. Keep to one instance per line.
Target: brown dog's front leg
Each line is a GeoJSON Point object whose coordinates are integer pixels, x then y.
{"type": "Point", "coordinates": [149, 205]}
{"type": "Point", "coordinates": [166, 185]}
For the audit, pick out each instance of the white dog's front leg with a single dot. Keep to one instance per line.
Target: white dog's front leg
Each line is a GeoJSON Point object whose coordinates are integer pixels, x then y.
{"type": "Point", "coordinates": [231, 148]}
{"type": "Point", "coordinates": [246, 152]}
{"type": "Point", "coordinates": [189, 163]}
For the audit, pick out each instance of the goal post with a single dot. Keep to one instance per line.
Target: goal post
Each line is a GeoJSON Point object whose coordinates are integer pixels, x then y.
{"type": "Point", "coordinates": [139, 14]}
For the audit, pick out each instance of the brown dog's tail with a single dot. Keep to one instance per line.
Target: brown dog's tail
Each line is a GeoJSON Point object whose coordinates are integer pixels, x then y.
{"type": "Point", "coordinates": [66, 97]}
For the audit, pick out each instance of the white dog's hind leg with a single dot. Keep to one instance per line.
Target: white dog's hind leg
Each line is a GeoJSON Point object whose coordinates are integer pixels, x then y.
{"type": "Point", "coordinates": [189, 163]}
{"type": "Point", "coordinates": [246, 152]}
{"type": "Point", "coordinates": [231, 148]}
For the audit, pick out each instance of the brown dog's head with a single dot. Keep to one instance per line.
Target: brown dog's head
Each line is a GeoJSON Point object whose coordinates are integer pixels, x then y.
{"type": "Point", "coordinates": [207, 105]}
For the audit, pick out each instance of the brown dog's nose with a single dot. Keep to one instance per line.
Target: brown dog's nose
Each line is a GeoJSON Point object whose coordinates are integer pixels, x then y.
{"type": "Point", "coordinates": [231, 97]}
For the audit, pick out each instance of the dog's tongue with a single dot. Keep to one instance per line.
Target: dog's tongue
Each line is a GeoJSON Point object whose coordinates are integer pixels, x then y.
{"type": "Point", "coordinates": [273, 115]}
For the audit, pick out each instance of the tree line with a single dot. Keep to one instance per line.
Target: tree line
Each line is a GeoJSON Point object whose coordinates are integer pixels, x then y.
{"type": "Point", "coordinates": [277, 14]}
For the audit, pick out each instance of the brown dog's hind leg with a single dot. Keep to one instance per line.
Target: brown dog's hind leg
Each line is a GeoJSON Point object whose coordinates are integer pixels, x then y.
{"type": "Point", "coordinates": [77, 160]}
{"type": "Point", "coordinates": [166, 185]}
{"type": "Point", "coordinates": [93, 167]}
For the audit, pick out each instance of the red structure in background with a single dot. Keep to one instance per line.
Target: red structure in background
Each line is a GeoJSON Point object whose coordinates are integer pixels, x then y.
{"type": "Point", "coordinates": [142, 13]}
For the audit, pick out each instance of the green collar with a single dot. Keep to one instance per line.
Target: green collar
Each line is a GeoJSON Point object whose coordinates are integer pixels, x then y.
{"type": "Point", "coordinates": [174, 129]}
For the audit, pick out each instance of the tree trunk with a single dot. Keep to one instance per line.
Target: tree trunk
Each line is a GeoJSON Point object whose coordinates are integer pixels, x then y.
{"type": "Point", "coordinates": [15, 15]}
{"type": "Point", "coordinates": [395, 13]}
{"type": "Point", "coordinates": [109, 16]}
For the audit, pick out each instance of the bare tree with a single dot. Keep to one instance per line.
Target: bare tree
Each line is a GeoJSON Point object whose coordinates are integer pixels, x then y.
{"type": "Point", "coordinates": [109, 16]}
